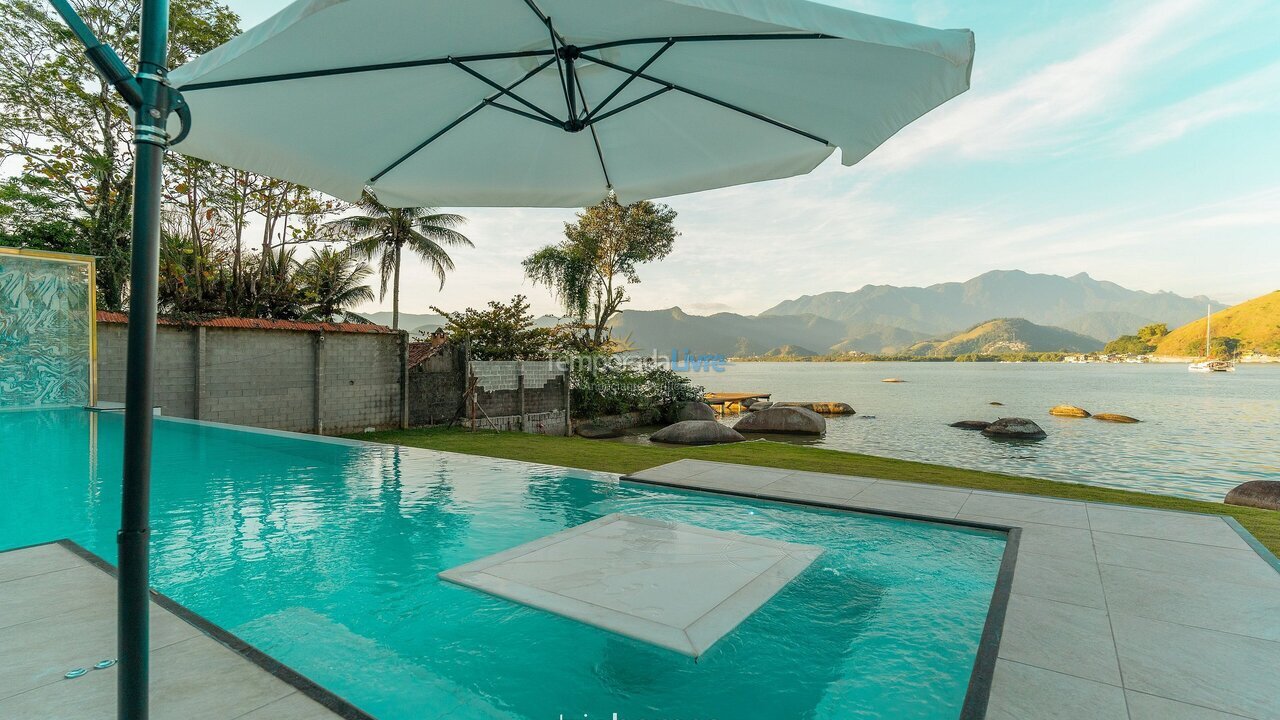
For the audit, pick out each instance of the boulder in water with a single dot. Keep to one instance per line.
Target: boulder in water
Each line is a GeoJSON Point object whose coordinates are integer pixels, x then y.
{"type": "Point", "coordinates": [791, 420]}
{"type": "Point", "coordinates": [1068, 411]}
{"type": "Point", "coordinates": [1113, 417]}
{"type": "Point", "coordinates": [893, 380]}
{"type": "Point", "coordinates": [971, 424]}
{"type": "Point", "coordinates": [697, 432]}
{"type": "Point", "coordinates": [694, 411]}
{"type": "Point", "coordinates": [595, 431]}
{"type": "Point", "coordinates": [997, 404]}
{"type": "Point", "coordinates": [1014, 428]}
{"type": "Point", "coordinates": [822, 408]}
{"type": "Point", "coordinates": [1263, 494]}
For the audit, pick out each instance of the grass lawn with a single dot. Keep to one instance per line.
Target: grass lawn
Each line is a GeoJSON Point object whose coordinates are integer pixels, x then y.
{"type": "Point", "coordinates": [624, 458]}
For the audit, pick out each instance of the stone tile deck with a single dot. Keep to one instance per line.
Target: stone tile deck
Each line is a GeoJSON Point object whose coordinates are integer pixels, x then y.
{"type": "Point", "coordinates": [1116, 613]}
{"type": "Point", "coordinates": [58, 612]}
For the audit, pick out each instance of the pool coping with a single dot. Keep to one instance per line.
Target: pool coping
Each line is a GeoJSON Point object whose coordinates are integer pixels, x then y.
{"type": "Point", "coordinates": [306, 686]}
{"type": "Point", "coordinates": [981, 677]}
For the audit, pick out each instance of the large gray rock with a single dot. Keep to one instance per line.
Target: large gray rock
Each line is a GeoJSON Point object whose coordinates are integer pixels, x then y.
{"type": "Point", "coordinates": [971, 424]}
{"type": "Point", "coordinates": [694, 411]}
{"type": "Point", "coordinates": [1014, 428]}
{"type": "Point", "coordinates": [697, 432]}
{"type": "Point", "coordinates": [758, 406]}
{"type": "Point", "coordinates": [791, 420]}
{"type": "Point", "coordinates": [595, 431]}
{"type": "Point", "coordinates": [1263, 494]}
{"type": "Point", "coordinates": [822, 408]}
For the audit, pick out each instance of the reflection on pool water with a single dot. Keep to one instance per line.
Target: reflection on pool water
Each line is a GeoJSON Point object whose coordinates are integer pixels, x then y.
{"type": "Point", "coordinates": [324, 555]}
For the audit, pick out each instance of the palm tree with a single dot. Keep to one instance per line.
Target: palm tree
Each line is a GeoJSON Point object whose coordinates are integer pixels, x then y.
{"type": "Point", "coordinates": [385, 233]}
{"type": "Point", "coordinates": [332, 281]}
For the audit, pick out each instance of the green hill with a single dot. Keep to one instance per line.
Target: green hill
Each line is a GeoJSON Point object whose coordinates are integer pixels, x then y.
{"type": "Point", "coordinates": [1253, 325]}
{"type": "Point", "coordinates": [1007, 335]}
{"type": "Point", "coordinates": [790, 351]}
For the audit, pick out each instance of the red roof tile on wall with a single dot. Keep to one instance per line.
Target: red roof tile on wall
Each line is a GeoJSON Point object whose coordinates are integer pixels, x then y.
{"type": "Point", "coordinates": [105, 316]}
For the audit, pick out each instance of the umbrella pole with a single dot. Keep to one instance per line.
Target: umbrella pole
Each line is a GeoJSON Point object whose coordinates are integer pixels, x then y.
{"type": "Point", "coordinates": [150, 140]}
{"type": "Point", "coordinates": [147, 92]}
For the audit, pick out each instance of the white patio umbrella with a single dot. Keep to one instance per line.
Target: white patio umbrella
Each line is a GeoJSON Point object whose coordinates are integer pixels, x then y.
{"type": "Point", "coordinates": [551, 103]}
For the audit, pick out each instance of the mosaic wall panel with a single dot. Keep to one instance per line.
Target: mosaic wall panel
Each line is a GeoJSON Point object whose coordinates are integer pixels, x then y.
{"type": "Point", "coordinates": [46, 331]}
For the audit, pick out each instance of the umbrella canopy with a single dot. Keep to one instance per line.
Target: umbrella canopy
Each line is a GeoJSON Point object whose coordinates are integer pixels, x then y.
{"type": "Point", "coordinates": [552, 103]}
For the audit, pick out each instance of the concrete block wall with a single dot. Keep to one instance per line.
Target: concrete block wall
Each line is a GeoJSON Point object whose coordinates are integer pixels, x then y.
{"type": "Point", "coordinates": [300, 380]}
{"type": "Point", "coordinates": [528, 395]}
{"type": "Point", "coordinates": [437, 388]}
{"type": "Point", "coordinates": [175, 367]}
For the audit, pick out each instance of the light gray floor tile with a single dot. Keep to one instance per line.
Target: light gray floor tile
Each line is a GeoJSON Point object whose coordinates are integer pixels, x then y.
{"type": "Point", "coordinates": [1201, 561]}
{"type": "Point", "coordinates": [48, 594]}
{"type": "Point", "coordinates": [736, 477]}
{"type": "Point", "coordinates": [1056, 578]}
{"type": "Point", "coordinates": [1201, 602]}
{"type": "Point", "coordinates": [677, 470]}
{"type": "Point", "coordinates": [1071, 639]}
{"type": "Point", "coordinates": [291, 707]}
{"type": "Point", "coordinates": [819, 485]}
{"type": "Point", "coordinates": [1023, 692]}
{"type": "Point", "coordinates": [42, 651]}
{"type": "Point", "coordinates": [1150, 707]}
{"type": "Point", "coordinates": [35, 561]}
{"type": "Point", "coordinates": [1202, 529]}
{"type": "Point", "coordinates": [1056, 540]}
{"type": "Point", "coordinates": [1212, 669]}
{"type": "Point", "coordinates": [920, 499]}
{"type": "Point", "coordinates": [1028, 509]}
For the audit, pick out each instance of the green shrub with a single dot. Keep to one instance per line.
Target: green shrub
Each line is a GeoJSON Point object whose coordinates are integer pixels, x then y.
{"type": "Point", "coordinates": [610, 385]}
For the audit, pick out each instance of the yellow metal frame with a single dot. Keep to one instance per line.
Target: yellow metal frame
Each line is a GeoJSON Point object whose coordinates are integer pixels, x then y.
{"type": "Point", "coordinates": [92, 262]}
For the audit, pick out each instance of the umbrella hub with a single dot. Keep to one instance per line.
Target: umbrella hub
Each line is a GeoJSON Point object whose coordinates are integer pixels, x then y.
{"type": "Point", "coordinates": [568, 55]}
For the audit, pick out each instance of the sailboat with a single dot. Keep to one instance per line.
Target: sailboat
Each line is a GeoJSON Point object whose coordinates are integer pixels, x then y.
{"type": "Point", "coordinates": [1209, 364]}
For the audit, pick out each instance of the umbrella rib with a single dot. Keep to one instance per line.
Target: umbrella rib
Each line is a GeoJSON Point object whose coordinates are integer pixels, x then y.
{"type": "Point", "coordinates": [558, 125]}
{"type": "Point", "coordinates": [630, 77]}
{"type": "Point", "coordinates": [594, 137]}
{"type": "Point", "coordinates": [504, 91]}
{"type": "Point", "coordinates": [350, 70]}
{"type": "Point", "coordinates": [637, 101]}
{"type": "Point", "coordinates": [546, 20]}
{"type": "Point", "coordinates": [708, 38]}
{"type": "Point", "coordinates": [491, 100]}
{"type": "Point", "coordinates": [708, 98]}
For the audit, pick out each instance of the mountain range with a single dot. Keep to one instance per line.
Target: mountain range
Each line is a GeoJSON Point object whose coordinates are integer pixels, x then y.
{"type": "Point", "coordinates": [1075, 313]}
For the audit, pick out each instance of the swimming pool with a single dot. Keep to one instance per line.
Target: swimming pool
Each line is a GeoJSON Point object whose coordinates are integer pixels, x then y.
{"type": "Point", "coordinates": [324, 555]}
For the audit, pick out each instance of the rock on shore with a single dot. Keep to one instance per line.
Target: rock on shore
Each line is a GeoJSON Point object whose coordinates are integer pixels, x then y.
{"type": "Point", "coordinates": [1263, 494]}
{"type": "Point", "coordinates": [822, 408]}
{"type": "Point", "coordinates": [697, 432]}
{"type": "Point", "coordinates": [1113, 417]}
{"type": "Point", "coordinates": [1014, 428]}
{"type": "Point", "coordinates": [790, 420]}
{"type": "Point", "coordinates": [695, 411]}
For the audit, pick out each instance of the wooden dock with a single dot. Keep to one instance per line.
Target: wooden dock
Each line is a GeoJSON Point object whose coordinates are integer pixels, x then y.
{"type": "Point", "coordinates": [732, 402]}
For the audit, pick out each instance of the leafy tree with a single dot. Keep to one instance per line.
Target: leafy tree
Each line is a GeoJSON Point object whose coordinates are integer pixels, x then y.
{"type": "Point", "coordinates": [386, 233]}
{"type": "Point", "coordinates": [331, 281]}
{"type": "Point", "coordinates": [70, 130]}
{"type": "Point", "coordinates": [504, 331]}
{"type": "Point", "coordinates": [1152, 334]}
{"type": "Point", "coordinates": [1224, 348]}
{"type": "Point", "coordinates": [589, 270]}
{"type": "Point", "coordinates": [1128, 345]}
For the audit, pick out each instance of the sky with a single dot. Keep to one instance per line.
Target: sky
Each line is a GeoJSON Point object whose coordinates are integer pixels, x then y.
{"type": "Point", "coordinates": [1134, 141]}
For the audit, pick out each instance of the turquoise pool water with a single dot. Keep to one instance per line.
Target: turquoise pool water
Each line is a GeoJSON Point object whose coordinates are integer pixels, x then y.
{"type": "Point", "coordinates": [325, 556]}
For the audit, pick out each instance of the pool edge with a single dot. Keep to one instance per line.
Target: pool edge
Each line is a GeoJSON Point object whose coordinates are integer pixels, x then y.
{"type": "Point", "coordinates": [331, 701]}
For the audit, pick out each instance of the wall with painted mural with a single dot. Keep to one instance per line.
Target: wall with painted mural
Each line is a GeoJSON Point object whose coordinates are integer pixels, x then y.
{"type": "Point", "coordinates": [46, 329]}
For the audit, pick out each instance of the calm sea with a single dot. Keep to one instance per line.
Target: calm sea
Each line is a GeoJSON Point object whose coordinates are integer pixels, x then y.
{"type": "Point", "coordinates": [1200, 435]}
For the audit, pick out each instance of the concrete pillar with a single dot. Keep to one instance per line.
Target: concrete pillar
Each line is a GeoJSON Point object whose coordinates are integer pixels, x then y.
{"type": "Point", "coordinates": [404, 380]}
{"type": "Point", "coordinates": [568, 393]}
{"type": "Point", "coordinates": [317, 382]}
{"type": "Point", "coordinates": [201, 380]}
{"type": "Point", "coordinates": [524, 417]}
